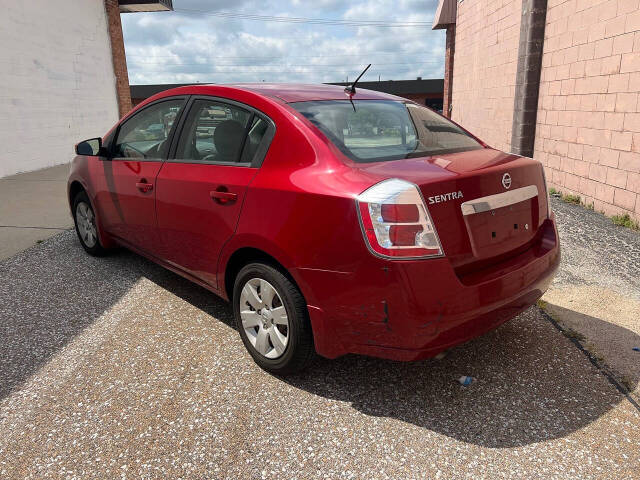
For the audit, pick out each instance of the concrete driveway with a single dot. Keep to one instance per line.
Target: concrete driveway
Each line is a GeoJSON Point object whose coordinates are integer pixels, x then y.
{"type": "Point", "coordinates": [33, 207]}
{"type": "Point", "coordinates": [596, 294]}
{"type": "Point", "coordinates": [117, 368]}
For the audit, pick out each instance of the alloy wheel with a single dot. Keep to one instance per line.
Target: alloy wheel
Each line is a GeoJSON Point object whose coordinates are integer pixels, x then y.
{"type": "Point", "coordinates": [85, 220]}
{"type": "Point", "coordinates": [264, 318]}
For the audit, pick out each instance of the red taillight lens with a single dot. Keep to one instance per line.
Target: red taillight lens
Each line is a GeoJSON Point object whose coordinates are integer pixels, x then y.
{"type": "Point", "coordinates": [404, 213]}
{"type": "Point", "coordinates": [404, 235]}
{"type": "Point", "coordinates": [395, 221]}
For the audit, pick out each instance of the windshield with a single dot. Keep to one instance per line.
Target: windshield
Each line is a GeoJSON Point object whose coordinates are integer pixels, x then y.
{"type": "Point", "coordinates": [379, 130]}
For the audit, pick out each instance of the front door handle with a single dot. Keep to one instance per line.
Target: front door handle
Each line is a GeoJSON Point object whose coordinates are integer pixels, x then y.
{"type": "Point", "coordinates": [144, 186]}
{"type": "Point", "coordinates": [223, 196]}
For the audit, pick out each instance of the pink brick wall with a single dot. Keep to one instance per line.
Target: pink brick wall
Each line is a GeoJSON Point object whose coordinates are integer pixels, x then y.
{"type": "Point", "coordinates": [484, 72]}
{"type": "Point", "coordinates": [588, 132]}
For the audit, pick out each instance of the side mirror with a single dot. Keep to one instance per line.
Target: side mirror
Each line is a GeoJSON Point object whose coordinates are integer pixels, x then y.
{"type": "Point", "coordinates": [90, 147]}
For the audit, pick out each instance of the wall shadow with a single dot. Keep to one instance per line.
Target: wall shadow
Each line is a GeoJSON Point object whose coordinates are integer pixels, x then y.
{"type": "Point", "coordinates": [50, 293]}
{"type": "Point", "coordinates": [610, 344]}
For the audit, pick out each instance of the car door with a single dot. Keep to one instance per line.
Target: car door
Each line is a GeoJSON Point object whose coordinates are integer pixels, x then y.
{"type": "Point", "coordinates": [127, 193]}
{"type": "Point", "coordinates": [200, 189]}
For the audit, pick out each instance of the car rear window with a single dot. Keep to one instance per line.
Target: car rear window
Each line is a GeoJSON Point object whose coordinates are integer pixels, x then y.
{"type": "Point", "coordinates": [379, 130]}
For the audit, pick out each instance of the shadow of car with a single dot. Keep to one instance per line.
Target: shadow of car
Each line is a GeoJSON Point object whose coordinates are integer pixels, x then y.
{"type": "Point", "coordinates": [531, 383]}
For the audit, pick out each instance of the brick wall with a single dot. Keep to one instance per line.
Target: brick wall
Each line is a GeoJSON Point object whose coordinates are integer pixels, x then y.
{"type": "Point", "coordinates": [123, 90]}
{"type": "Point", "coordinates": [57, 81]}
{"type": "Point", "coordinates": [588, 132]}
{"type": "Point", "coordinates": [485, 63]}
{"type": "Point", "coordinates": [449, 61]}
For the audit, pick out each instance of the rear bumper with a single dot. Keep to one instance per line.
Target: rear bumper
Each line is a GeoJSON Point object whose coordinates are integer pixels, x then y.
{"type": "Point", "coordinates": [415, 309]}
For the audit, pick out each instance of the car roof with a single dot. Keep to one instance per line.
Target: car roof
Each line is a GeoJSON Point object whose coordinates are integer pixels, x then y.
{"type": "Point", "coordinates": [296, 92]}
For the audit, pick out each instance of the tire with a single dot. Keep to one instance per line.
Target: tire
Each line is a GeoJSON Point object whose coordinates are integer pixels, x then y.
{"type": "Point", "coordinates": [84, 219]}
{"type": "Point", "coordinates": [269, 353]}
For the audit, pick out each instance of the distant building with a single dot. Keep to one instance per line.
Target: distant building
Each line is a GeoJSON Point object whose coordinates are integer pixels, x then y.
{"type": "Point", "coordinates": [425, 92]}
{"type": "Point", "coordinates": [139, 93]}
{"type": "Point", "coordinates": [64, 76]}
{"type": "Point", "coordinates": [558, 81]}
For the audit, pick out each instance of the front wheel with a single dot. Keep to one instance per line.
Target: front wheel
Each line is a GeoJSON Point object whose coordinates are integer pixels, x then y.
{"type": "Point", "coordinates": [85, 220]}
{"type": "Point", "coordinates": [272, 319]}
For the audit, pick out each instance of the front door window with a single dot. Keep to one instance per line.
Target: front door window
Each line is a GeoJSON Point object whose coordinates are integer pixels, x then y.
{"type": "Point", "coordinates": [146, 134]}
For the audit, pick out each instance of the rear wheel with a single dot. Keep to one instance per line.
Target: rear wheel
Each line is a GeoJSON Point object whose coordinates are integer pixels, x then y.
{"type": "Point", "coordinates": [272, 319]}
{"type": "Point", "coordinates": [85, 220]}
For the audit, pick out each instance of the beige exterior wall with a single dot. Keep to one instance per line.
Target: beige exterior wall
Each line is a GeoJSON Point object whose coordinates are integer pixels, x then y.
{"type": "Point", "coordinates": [588, 132]}
{"type": "Point", "coordinates": [484, 71]}
{"type": "Point", "coordinates": [58, 83]}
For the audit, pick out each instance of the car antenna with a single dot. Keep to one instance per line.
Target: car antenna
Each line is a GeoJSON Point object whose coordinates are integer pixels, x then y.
{"type": "Point", "coordinates": [351, 89]}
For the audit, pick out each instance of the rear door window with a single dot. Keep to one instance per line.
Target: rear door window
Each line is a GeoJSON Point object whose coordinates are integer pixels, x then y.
{"type": "Point", "coordinates": [218, 132]}
{"type": "Point", "coordinates": [255, 138]}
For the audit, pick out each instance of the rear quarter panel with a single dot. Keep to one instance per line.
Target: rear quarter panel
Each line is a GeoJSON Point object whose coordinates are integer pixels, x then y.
{"type": "Point", "coordinates": [300, 206]}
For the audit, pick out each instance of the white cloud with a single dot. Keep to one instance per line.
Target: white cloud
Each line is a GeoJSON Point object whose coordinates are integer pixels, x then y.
{"type": "Point", "coordinates": [191, 45]}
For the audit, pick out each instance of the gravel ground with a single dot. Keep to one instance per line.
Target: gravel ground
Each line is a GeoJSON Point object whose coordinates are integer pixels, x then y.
{"type": "Point", "coordinates": [595, 251]}
{"type": "Point", "coordinates": [117, 368]}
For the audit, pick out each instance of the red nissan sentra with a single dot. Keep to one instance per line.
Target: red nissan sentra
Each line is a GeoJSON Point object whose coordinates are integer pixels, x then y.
{"type": "Point", "coordinates": [335, 221]}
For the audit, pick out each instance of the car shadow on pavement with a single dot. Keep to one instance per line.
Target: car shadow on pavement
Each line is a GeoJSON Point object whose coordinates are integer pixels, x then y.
{"type": "Point", "coordinates": [531, 383]}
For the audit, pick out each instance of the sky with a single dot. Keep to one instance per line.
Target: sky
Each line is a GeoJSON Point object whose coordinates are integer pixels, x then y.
{"type": "Point", "coordinates": [216, 41]}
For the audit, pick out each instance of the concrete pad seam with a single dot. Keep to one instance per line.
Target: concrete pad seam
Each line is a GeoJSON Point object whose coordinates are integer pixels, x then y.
{"type": "Point", "coordinates": [31, 226]}
{"type": "Point", "coordinates": [601, 368]}
{"type": "Point", "coordinates": [20, 180]}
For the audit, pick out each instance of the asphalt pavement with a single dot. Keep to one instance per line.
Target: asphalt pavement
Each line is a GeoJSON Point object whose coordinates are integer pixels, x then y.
{"type": "Point", "coordinates": [116, 368]}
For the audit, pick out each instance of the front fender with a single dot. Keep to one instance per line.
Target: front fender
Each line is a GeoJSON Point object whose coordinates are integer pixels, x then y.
{"type": "Point", "coordinates": [80, 173]}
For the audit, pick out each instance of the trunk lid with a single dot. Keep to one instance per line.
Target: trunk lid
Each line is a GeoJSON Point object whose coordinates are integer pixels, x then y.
{"type": "Point", "coordinates": [499, 218]}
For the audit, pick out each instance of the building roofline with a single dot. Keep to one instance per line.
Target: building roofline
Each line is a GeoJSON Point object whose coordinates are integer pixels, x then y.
{"type": "Point", "coordinates": [393, 87]}
{"type": "Point", "coordinates": [445, 14]}
{"type": "Point", "coordinates": [132, 6]}
{"type": "Point", "coordinates": [402, 87]}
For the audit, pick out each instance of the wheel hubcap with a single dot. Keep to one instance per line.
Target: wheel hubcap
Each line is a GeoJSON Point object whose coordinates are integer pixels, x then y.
{"type": "Point", "coordinates": [86, 224]}
{"type": "Point", "coordinates": [264, 318]}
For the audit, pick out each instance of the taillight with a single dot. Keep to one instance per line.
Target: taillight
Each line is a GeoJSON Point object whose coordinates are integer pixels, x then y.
{"type": "Point", "coordinates": [396, 222]}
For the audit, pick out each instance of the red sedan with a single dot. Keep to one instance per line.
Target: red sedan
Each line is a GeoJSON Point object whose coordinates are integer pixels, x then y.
{"type": "Point", "coordinates": [335, 221]}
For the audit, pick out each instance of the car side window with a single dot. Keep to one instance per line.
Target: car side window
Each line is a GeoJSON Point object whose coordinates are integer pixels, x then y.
{"type": "Point", "coordinates": [146, 134]}
{"type": "Point", "coordinates": [214, 132]}
{"type": "Point", "coordinates": [256, 135]}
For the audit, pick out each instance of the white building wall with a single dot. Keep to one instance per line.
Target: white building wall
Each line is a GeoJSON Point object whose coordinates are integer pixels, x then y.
{"type": "Point", "coordinates": [57, 85]}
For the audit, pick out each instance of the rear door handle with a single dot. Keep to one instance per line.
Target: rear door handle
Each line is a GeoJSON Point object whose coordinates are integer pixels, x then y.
{"type": "Point", "coordinates": [222, 196]}
{"type": "Point", "coordinates": [143, 186]}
